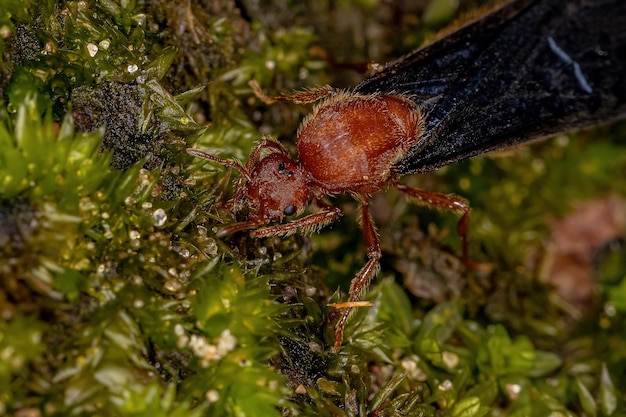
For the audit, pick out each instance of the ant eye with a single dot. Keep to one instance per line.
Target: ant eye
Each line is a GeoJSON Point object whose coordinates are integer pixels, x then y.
{"type": "Point", "coordinates": [289, 210]}
{"type": "Point", "coordinates": [283, 170]}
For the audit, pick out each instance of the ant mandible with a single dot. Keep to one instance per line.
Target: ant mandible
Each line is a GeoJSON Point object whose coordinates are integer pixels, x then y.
{"type": "Point", "coordinates": [348, 144]}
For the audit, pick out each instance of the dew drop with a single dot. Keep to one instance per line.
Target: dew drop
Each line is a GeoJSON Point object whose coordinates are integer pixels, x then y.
{"type": "Point", "coordinates": [609, 309]}
{"type": "Point", "coordinates": [49, 48]}
{"type": "Point", "coordinates": [445, 385]}
{"type": "Point", "coordinates": [92, 48]}
{"type": "Point", "coordinates": [172, 285]}
{"type": "Point", "coordinates": [141, 19]}
{"type": "Point", "coordinates": [450, 359]}
{"type": "Point", "coordinates": [211, 247]}
{"type": "Point", "coordinates": [104, 44]}
{"type": "Point", "coordinates": [5, 32]}
{"type": "Point", "coordinates": [212, 396]}
{"type": "Point", "coordinates": [159, 217]}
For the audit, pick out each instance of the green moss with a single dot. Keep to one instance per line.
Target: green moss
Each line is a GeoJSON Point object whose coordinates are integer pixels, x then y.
{"type": "Point", "coordinates": [117, 298]}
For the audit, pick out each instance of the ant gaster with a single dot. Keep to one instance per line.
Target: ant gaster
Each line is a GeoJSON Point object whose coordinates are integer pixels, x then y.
{"type": "Point", "coordinates": [348, 144]}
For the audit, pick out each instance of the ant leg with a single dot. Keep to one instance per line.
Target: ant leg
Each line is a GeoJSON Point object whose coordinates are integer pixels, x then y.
{"type": "Point", "coordinates": [448, 202]}
{"type": "Point", "coordinates": [298, 97]}
{"type": "Point", "coordinates": [362, 280]}
{"type": "Point", "coordinates": [307, 224]}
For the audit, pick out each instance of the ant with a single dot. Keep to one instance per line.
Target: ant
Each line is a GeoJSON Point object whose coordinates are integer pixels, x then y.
{"type": "Point", "coordinates": [350, 143]}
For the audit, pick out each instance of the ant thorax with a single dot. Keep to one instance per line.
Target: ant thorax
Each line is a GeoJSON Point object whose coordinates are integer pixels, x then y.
{"type": "Point", "coordinates": [350, 141]}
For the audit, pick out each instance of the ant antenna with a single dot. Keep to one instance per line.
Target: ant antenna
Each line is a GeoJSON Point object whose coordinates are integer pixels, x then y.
{"type": "Point", "coordinates": [234, 163]}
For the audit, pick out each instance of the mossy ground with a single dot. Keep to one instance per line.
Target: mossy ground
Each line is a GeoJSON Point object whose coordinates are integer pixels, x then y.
{"type": "Point", "coordinates": [117, 299]}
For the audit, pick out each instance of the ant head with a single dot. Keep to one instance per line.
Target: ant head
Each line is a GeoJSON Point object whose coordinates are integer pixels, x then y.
{"type": "Point", "coordinates": [271, 186]}
{"type": "Point", "coordinates": [276, 188]}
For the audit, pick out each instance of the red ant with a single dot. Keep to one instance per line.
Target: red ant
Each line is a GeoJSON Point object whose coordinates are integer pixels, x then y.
{"type": "Point", "coordinates": [349, 144]}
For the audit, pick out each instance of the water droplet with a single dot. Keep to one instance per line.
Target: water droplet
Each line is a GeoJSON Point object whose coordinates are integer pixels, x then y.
{"type": "Point", "coordinates": [210, 247]}
{"type": "Point", "coordinates": [212, 396]}
{"type": "Point", "coordinates": [5, 31]}
{"type": "Point", "coordinates": [172, 285]}
{"type": "Point", "coordinates": [226, 343]}
{"type": "Point", "coordinates": [104, 44]}
{"type": "Point", "coordinates": [132, 68]}
{"type": "Point", "coordinates": [513, 390]}
{"type": "Point", "coordinates": [562, 140]}
{"type": "Point", "coordinates": [538, 165]}
{"type": "Point", "coordinates": [159, 217]}
{"type": "Point", "coordinates": [450, 359]}
{"type": "Point", "coordinates": [310, 290]}
{"type": "Point", "coordinates": [140, 19]}
{"type": "Point", "coordinates": [134, 235]}
{"type": "Point", "coordinates": [92, 48]}
{"type": "Point", "coordinates": [445, 385]}
{"type": "Point", "coordinates": [49, 48]}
